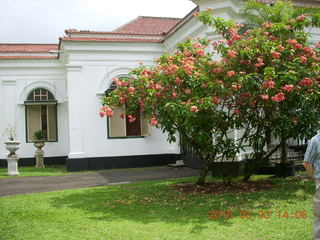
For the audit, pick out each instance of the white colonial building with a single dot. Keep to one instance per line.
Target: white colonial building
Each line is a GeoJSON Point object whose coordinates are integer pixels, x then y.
{"type": "Point", "coordinates": [57, 88]}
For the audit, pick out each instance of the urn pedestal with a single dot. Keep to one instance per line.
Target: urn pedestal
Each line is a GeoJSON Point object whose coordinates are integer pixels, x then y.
{"type": "Point", "coordinates": [12, 159]}
{"type": "Point", "coordinates": [39, 153]}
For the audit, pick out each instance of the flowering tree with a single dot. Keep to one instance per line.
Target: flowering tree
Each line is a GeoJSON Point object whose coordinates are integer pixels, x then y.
{"type": "Point", "coordinates": [183, 96]}
{"type": "Point", "coordinates": [267, 79]}
{"type": "Point", "coordinates": [278, 79]}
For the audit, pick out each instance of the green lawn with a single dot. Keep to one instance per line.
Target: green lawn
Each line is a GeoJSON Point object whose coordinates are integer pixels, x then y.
{"type": "Point", "coordinates": [32, 171]}
{"type": "Point", "coordinates": [153, 210]}
{"type": "Point", "coordinates": [56, 170]}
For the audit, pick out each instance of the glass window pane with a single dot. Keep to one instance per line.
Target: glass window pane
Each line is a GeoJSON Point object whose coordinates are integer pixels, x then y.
{"type": "Point", "coordinates": [40, 94]}
{"type": "Point", "coordinates": [117, 125]}
{"type": "Point", "coordinates": [52, 123]}
{"type": "Point", "coordinates": [44, 125]}
{"type": "Point", "coordinates": [33, 121]}
{"type": "Point", "coordinates": [134, 128]}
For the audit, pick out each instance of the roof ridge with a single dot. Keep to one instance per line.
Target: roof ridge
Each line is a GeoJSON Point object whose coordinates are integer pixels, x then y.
{"type": "Point", "coordinates": [182, 21]}
{"type": "Point", "coordinates": [173, 18]}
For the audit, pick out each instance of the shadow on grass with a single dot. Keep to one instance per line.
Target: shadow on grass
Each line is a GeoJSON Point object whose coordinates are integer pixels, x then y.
{"type": "Point", "coordinates": [158, 202]}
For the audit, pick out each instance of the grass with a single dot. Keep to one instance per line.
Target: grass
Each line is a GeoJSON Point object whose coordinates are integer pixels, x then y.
{"type": "Point", "coordinates": [153, 210]}
{"type": "Point", "coordinates": [57, 170]}
{"type": "Point", "coordinates": [32, 171]}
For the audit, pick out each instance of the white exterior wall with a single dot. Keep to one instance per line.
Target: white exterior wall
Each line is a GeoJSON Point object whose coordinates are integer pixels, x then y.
{"type": "Point", "coordinates": [90, 69]}
{"type": "Point", "coordinates": [17, 79]}
{"type": "Point", "coordinates": [78, 81]}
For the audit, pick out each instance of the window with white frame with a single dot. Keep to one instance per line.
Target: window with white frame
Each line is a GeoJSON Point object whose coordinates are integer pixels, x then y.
{"type": "Point", "coordinates": [119, 125]}
{"type": "Point", "coordinates": [41, 114]}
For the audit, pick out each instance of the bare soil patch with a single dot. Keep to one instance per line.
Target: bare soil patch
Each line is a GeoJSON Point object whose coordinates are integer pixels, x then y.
{"type": "Point", "coordinates": [217, 188]}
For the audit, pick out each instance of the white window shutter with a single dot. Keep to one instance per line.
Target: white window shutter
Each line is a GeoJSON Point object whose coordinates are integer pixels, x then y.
{"type": "Point", "coordinates": [117, 125]}
{"type": "Point", "coordinates": [33, 120]}
{"type": "Point", "coordinates": [145, 126]}
{"type": "Point", "coordinates": [52, 122]}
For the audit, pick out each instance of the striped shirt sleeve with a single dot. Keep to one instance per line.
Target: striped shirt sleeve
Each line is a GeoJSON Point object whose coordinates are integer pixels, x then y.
{"type": "Point", "coordinates": [311, 152]}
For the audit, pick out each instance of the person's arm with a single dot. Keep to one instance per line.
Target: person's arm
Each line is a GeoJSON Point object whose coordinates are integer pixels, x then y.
{"type": "Point", "coordinates": [309, 158]}
{"type": "Point", "coordinates": [309, 168]}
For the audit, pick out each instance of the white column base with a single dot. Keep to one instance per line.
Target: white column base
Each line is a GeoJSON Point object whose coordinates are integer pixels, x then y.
{"type": "Point", "coordinates": [13, 165]}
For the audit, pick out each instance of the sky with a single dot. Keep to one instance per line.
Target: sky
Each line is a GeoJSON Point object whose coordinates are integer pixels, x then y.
{"type": "Point", "coordinates": [44, 21]}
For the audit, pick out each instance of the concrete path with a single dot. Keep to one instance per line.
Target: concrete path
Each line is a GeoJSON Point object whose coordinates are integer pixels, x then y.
{"type": "Point", "coordinates": [24, 185]}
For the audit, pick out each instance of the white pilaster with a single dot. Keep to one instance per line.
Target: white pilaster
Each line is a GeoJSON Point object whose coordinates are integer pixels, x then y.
{"type": "Point", "coordinates": [9, 106]}
{"type": "Point", "coordinates": [75, 100]}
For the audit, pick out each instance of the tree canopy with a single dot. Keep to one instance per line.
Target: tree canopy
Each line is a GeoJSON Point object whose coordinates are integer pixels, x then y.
{"type": "Point", "coordinates": [267, 78]}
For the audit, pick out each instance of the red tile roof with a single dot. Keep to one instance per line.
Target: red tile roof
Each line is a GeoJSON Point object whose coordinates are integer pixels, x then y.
{"type": "Point", "coordinates": [93, 39]}
{"type": "Point", "coordinates": [28, 48]}
{"type": "Point", "coordinates": [148, 25]}
{"type": "Point", "coordinates": [139, 26]}
{"type": "Point", "coordinates": [28, 57]}
{"type": "Point", "coordinates": [28, 51]}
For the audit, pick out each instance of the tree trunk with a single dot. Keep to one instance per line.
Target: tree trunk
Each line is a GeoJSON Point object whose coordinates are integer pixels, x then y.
{"type": "Point", "coordinates": [284, 150]}
{"type": "Point", "coordinates": [246, 177]}
{"type": "Point", "coordinates": [203, 173]}
{"type": "Point", "coordinates": [268, 132]}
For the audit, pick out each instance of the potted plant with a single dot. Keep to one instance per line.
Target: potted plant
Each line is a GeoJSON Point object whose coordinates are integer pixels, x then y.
{"type": "Point", "coordinates": [39, 142]}
{"type": "Point", "coordinates": [12, 146]}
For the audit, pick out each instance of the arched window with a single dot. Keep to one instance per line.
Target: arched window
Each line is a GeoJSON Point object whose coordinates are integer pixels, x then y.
{"type": "Point", "coordinates": [120, 127]}
{"type": "Point", "coordinates": [40, 94]}
{"type": "Point", "coordinates": [41, 114]}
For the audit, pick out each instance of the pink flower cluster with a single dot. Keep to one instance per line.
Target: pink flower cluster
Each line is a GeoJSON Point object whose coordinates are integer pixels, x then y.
{"type": "Point", "coordinates": [131, 118]}
{"type": "Point", "coordinates": [308, 50]}
{"type": "Point", "coordinates": [259, 63]}
{"type": "Point", "coordinates": [232, 54]}
{"type": "Point", "coordinates": [188, 66]}
{"type": "Point", "coordinates": [294, 43]}
{"type": "Point", "coordinates": [288, 88]}
{"type": "Point", "coordinates": [231, 73]}
{"type": "Point", "coordinates": [234, 36]}
{"type": "Point", "coordinates": [301, 17]}
{"type": "Point", "coordinates": [267, 25]}
{"type": "Point", "coordinates": [120, 83]}
{"type": "Point", "coordinates": [303, 59]}
{"type": "Point", "coordinates": [217, 70]}
{"type": "Point", "coordinates": [264, 96]}
{"type": "Point", "coordinates": [306, 82]}
{"type": "Point", "coordinates": [215, 100]}
{"type": "Point", "coordinates": [131, 89]}
{"type": "Point", "coordinates": [279, 97]}
{"type": "Point", "coordinates": [178, 80]}
{"type": "Point", "coordinates": [194, 109]}
{"type": "Point", "coordinates": [106, 111]}
{"type": "Point", "coordinates": [275, 55]}
{"type": "Point", "coordinates": [153, 121]}
{"type": "Point", "coordinates": [200, 52]}
{"type": "Point", "coordinates": [268, 84]}
{"type": "Point", "coordinates": [171, 69]}
{"type": "Point", "coordinates": [145, 73]}
{"type": "Point", "coordinates": [281, 48]}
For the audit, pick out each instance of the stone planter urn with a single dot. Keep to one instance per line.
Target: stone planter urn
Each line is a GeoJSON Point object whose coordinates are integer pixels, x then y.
{"type": "Point", "coordinates": [39, 144]}
{"type": "Point", "coordinates": [12, 159]}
